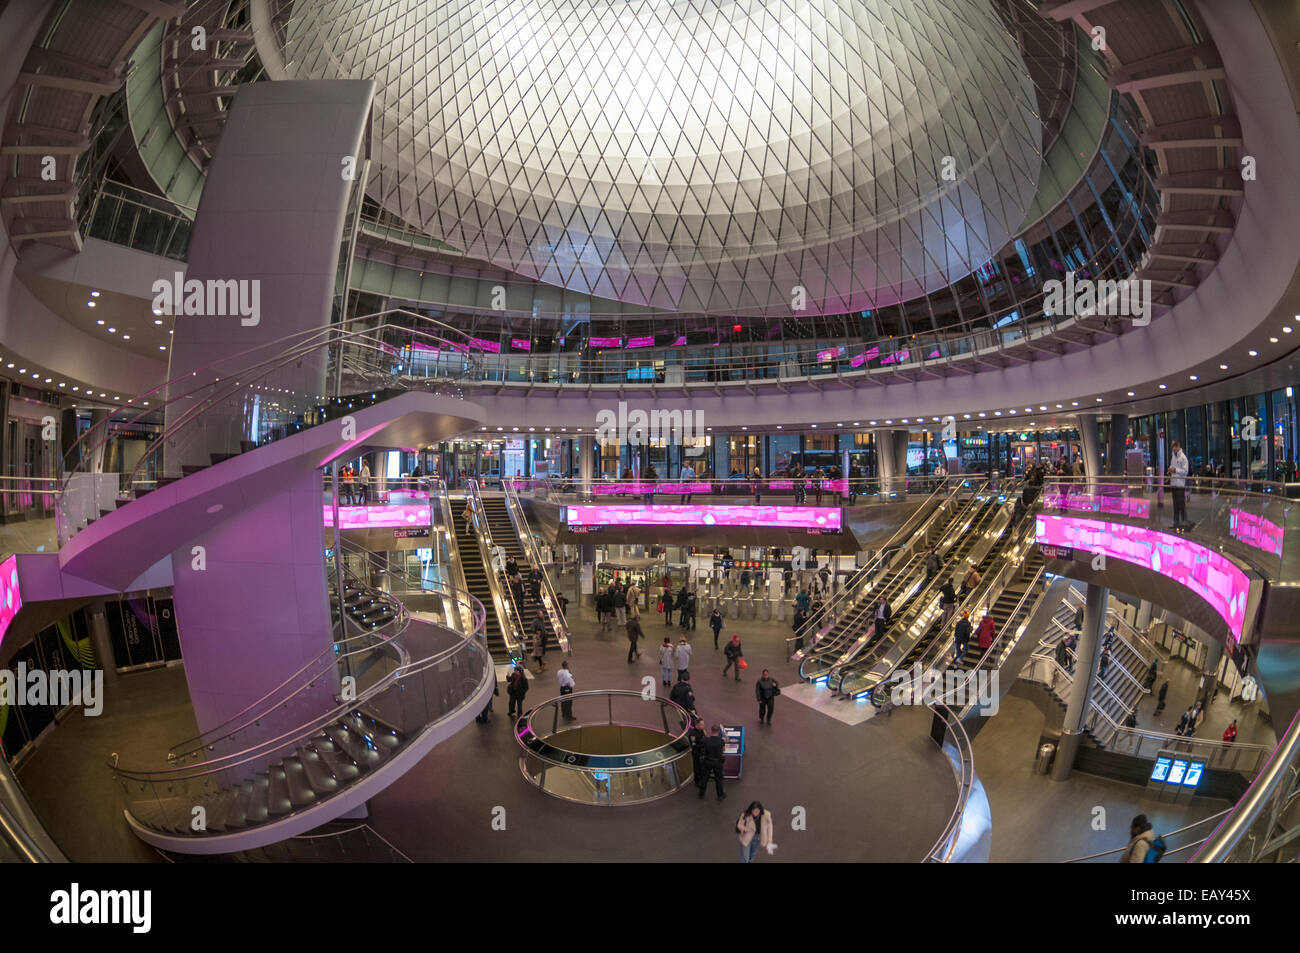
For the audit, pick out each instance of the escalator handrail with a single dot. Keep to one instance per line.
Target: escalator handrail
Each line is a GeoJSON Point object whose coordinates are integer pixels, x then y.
{"type": "Point", "coordinates": [983, 510]}
{"type": "Point", "coordinates": [309, 728]}
{"type": "Point", "coordinates": [550, 602]}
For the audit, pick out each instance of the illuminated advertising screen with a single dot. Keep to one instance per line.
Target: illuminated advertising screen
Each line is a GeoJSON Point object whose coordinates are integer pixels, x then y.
{"type": "Point", "coordinates": [1178, 771]}
{"type": "Point", "coordinates": [783, 517]}
{"type": "Point", "coordinates": [1058, 498]}
{"type": "Point", "coordinates": [11, 599]}
{"type": "Point", "coordinates": [1209, 574]}
{"type": "Point", "coordinates": [1161, 769]}
{"type": "Point", "coordinates": [1194, 771]}
{"type": "Point", "coordinates": [378, 517]}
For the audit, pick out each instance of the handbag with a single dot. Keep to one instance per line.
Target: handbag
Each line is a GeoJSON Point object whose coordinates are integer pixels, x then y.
{"type": "Point", "coordinates": [742, 663]}
{"type": "Point", "coordinates": [660, 607]}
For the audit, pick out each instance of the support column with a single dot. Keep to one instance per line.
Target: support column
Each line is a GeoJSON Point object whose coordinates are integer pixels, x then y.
{"type": "Point", "coordinates": [1115, 455]}
{"type": "Point", "coordinates": [1213, 655]}
{"type": "Point", "coordinates": [1088, 653]}
{"type": "Point", "coordinates": [891, 458]}
{"type": "Point", "coordinates": [102, 643]}
{"type": "Point", "coordinates": [845, 461]}
{"type": "Point", "coordinates": [1090, 443]}
{"type": "Point", "coordinates": [586, 463]}
{"type": "Point", "coordinates": [1143, 616]}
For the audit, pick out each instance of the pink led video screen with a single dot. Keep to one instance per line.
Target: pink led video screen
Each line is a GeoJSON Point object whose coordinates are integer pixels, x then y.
{"type": "Point", "coordinates": [11, 599]}
{"type": "Point", "coordinates": [379, 517]}
{"type": "Point", "coordinates": [635, 487]}
{"type": "Point", "coordinates": [1253, 530]}
{"type": "Point", "coordinates": [1209, 574]}
{"type": "Point", "coordinates": [1057, 499]}
{"type": "Point", "coordinates": [819, 518]}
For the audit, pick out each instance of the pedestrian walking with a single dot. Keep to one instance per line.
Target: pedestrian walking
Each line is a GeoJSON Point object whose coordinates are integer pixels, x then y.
{"type": "Point", "coordinates": [1230, 733]}
{"type": "Point", "coordinates": [467, 514]}
{"type": "Point", "coordinates": [754, 828]}
{"type": "Point", "coordinates": [620, 604]}
{"type": "Point", "coordinates": [765, 691]}
{"type": "Point", "coordinates": [683, 656]}
{"type": "Point", "coordinates": [565, 678]}
{"type": "Point", "coordinates": [633, 633]}
{"type": "Point", "coordinates": [667, 658]}
{"type": "Point", "coordinates": [734, 655]}
{"type": "Point", "coordinates": [1160, 699]}
{"type": "Point", "coordinates": [715, 623]}
{"type": "Point", "coordinates": [539, 645]}
{"type": "Point", "coordinates": [1178, 484]}
{"type": "Point", "coordinates": [948, 601]}
{"type": "Point", "coordinates": [666, 605]}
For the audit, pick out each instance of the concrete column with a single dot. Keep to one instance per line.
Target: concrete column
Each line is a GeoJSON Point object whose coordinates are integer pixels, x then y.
{"type": "Point", "coordinates": [1090, 442]}
{"type": "Point", "coordinates": [586, 462]}
{"type": "Point", "coordinates": [891, 457]}
{"type": "Point", "coordinates": [102, 643]}
{"type": "Point", "coordinates": [1143, 616]}
{"type": "Point", "coordinates": [1115, 455]}
{"type": "Point", "coordinates": [844, 469]}
{"type": "Point", "coordinates": [1088, 653]}
{"type": "Point", "coordinates": [1213, 654]}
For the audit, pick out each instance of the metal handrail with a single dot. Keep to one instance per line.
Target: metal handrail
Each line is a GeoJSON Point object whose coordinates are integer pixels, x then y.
{"type": "Point", "coordinates": [964, 769]}
{"type": "Point", "coordinates": [553, 703]}
{"type": "Point", "coordinates": [1260, 797]}
{"type": "Point", "coordinates": [550, 602]}
{"type": "Point", "coordinates": [865, 664]}
{"type": "Point", "coordinates": [502, 596]}
{"type": "Point", "coordinates": [376, 638]}
{"type": "Point", "coordinates": [850, 592]}
{"type": "Point", "coordinates": [1181, 830]}
{"type": "Point", "coordinates": [306, 730]}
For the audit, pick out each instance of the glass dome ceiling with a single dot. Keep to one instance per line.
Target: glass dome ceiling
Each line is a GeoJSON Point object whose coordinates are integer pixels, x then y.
{"type": "Point", "coordinates": [699, 155]}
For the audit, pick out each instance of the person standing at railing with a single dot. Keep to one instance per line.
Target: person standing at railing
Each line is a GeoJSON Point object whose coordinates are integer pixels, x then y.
{"type": "Point", "coordinates": [757, 477]}
{"type": "Point", "coordinates": [687, 477]}
{"type": "Point", "coordinates": [1178, 484]}
{"type": "Point", "coordinates": [363, 482]}
{"type": "Point", "coordinates": [650, 478]}
{"type": "Point", "coordinates": [818, 478]}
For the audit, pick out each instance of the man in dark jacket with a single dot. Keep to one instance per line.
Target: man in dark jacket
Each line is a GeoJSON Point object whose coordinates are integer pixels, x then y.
{"type": "Point", "coordinates": [620, 603]}
{"type": "Point", "coordinates": [682, 693]}
{"type": "Point", "coordinates": [948, 601]}
{"type": "Point", "coordinates": [633, 633]}
{"type": "Point", "coordinates": [688, 615]}
{"type": "Point", "coordinates": [931, 565]}
{"type": "Point", "coordinates": [711, 763]}
{"type": "Point", "coordinates": [765, 691]}
{"type": "Point", "coordinates": [1160, 699]}
{"type": "Point", "coordinates": [961, 638]}
{"type": "Point", "coordinates": [696, 737]}
{"type": "Point", "coordinates": [715, 623]}
{"type": "Point", "coordinates": [516, 689]}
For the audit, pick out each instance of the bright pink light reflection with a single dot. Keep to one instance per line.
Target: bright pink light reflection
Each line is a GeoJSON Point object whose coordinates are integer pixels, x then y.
{"type": "Point", "coordinates": [1255, 531]}
{"type": "Point", "coordinates": [788, 517]}
{"type": "Point", "coordinates": [1058, 499]}
{"type": "Point", "coordinates": [378, 517]}
{"type": "Point", "coordinates": [11, 599]}
{"type": "Point", "coordinates": [1210, 575]}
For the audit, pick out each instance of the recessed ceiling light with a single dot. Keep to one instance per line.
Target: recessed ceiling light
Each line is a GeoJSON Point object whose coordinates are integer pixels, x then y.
{"type": "Point", "coordinates": [94, 294]}
{"type": "Point", "coordinates": [126, 337]}
{"type": "Point", "coordinates": [157, 320]}
{"type": "Point", "coordinates": [1253, 353]}
{"type": "Point", "coordinates": [857, 423]}
{"type": "Point", "coordinates": [873, 423]}
{"type": "Point", "coordinates": [99, 321]}
{"type": "Point", "coordinates": [36, 375]}
{"type": "Point", "coordinates": [1074, 403]}
{"type": "Point", "coordinates": [1223, 367]}
{"type": "Point", "coordinates": [102, 394]}
{"type": "Point", "coordinates": [1164, 386]}
{"type": "Point", "coordinates": [997, 413]}
{"type": "Point", "coordinates": [1286, 329]}
{"type": "Point", "coordinates": [966, 416]}
{"type": "Point", "coordinates": [63, 384]}
{"type": "Point", "coordinates": [47, 380]}
{"type": "Point", "coordinates": [157, 311]}
{"type": "Point", "coordinates": [10, 364]}
{"type": "Point", "coordinates": [112, 330]}
{"type": "Point", "coordinates": [162, 347]}
{"type": "Point", "coordinates": [1099, 400]}
{"type": "Point", "coordinates": [1193, 377]}
{"type": "Point", "coordinates": [982, 413]}
{"type": "Point", "coordinates": [1131, 394]}
{"type": "Point", "coordinates": [90, 304]}
{"type": "Point", "coordinates": [1272, 340]}
{"type": "Point", "coordinates": [1013, 410]}
{"type": "Point", "coordinates": [814, 426]}
{"type": "Point", "coordinates": [778, 426]}
{"type": "Point", "coordinates": [1058, 406]}
{"type": "Point", "coordinates": [76, 388]}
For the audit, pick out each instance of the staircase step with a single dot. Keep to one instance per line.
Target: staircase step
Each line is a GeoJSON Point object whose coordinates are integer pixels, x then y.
{"type": "Point", "coordinates": [319, 774]}
{"type": "Point", "coordinates": [277, 799]}
{"type": "Point", "coordinates": [300, 788]}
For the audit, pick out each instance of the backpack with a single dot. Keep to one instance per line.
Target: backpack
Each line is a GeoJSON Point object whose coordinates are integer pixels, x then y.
{"type": "Point", "coordinates": [1155, 851]}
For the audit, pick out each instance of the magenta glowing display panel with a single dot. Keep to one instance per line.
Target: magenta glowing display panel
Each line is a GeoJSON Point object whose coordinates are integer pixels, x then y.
{"type": "Point", "coordinates": [1058, 499]}
{"type": "Point", "coordinates": [817, 518]}
{"type": "Point", "coordinates": [11, 599]}
{"type": "Point", "coordinates": [1210, 575]}
{"type": "Point", "coordinates": [1253, 530]}
{"type": "Point", "coordinates": [378, 517]}
{"type": "Point", "coordinates": [646, 341]}
{"type": "Point", "coordinates": [605, 342]}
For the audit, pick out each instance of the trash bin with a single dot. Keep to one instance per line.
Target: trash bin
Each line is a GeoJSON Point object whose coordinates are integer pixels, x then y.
{"type": "Point", "coordinates": [1045, 755]}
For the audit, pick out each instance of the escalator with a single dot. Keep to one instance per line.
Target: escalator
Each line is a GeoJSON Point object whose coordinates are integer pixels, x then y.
{"type": "Point", "coordinates": [864, 672]}
{"type": "Point", "coordinates": [476, 581]}
{"type": "Point", "coordinates": [1003, 606]}
{"type": "Point", "coordinates": [937, 629]}
{"type": "Point", "coordinates": [504, 535]}
{"type": "Point", "coordinates": [852, 630]}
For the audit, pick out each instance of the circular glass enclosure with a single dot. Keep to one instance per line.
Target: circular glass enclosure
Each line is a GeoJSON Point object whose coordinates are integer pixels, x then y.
{"type": "Point", "coordinates": [606, 747]}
